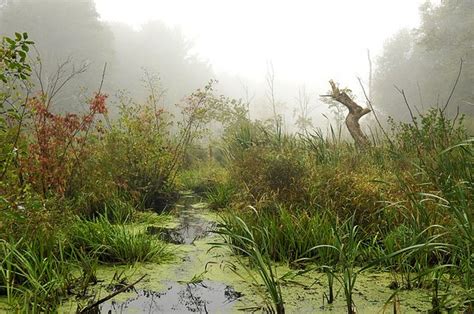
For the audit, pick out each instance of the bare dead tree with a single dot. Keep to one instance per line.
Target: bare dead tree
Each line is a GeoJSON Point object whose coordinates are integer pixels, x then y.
{"type": "Point", "coordinates": [270, 80]}
{"type": "Point", "coordinates": [302, 112]}
{"type": "Point", "coordinates": [270, 94]}
{"type": "Point", "coordinates": [355, 113]}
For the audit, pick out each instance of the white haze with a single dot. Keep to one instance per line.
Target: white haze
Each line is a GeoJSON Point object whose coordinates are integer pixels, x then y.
{"type": "Point", "coordinates": [307, 41]}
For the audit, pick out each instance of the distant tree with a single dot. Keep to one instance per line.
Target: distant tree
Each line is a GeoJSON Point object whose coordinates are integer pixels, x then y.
{"type": "Point", "coordinates": [447, 32]}
{"type": "Point", "coordinates": [425, 62]}
{"type": "Point", "coordinates": [62, 30]}
{"type": "Point", "coordinates": [71, 31]}
{"type": "Point", "coordinates": [161, 50]}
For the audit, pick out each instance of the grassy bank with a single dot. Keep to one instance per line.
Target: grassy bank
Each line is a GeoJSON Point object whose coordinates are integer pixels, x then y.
{"type": "Point", "coordinates": [402, 205]}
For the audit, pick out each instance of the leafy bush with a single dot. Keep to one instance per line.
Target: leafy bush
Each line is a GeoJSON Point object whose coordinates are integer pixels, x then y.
{"type": "Point", "coordinates": [30, 217]}
{"type": "Point", "coordinates": [132, 160]}
{"type": "Point", "coordinates": [58, 148]}
{"type": "Point", "coordinates": [432, 131]}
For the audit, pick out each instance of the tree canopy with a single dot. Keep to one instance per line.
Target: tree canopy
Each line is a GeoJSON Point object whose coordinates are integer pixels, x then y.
{"type": "Point", "coordinates": [425, 62]}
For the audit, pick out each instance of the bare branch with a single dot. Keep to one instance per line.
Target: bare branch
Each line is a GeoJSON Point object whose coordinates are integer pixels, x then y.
{"type": "Point", "coordinates": [110, 296]}
{"type": "Point", "coordinates": [102, 79]}
{"type": "Point", "coordinates": [373, 111]}
{"type": "Point", "coordinates": [454, 86]}
{"type": "Point", "coordinates": [402, 92]}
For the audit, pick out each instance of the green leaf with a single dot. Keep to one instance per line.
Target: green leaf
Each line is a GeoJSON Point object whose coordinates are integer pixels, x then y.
{"type": "Point", "coordinates": [25, 35]}
{"type": "Point", "coordinates": [22, 55]}
{"type": "Point", "coordinates": [18, 36]}
{"type": "Point", "coordinates": [9, 40]}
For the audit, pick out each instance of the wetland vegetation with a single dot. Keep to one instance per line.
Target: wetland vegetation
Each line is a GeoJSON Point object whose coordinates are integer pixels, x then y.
{"type": "Point", "coordinates": [132, 205]}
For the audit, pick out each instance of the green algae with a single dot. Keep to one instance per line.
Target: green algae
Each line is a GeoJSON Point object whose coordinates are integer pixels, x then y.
{"type": "Point", "coordinates": [203, 261]}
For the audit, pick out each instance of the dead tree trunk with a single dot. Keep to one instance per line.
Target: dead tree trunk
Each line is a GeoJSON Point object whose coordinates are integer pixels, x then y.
{"type": "Point", "coordinates": [355, 113]}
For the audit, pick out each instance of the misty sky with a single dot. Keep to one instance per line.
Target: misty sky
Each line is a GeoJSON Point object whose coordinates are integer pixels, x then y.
{"type": "Point", "coordinates": [307, 41]}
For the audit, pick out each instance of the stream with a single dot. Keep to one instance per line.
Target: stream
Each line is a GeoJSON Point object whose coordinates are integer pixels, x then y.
{"type": "Point", "coordinates": [185, 294]}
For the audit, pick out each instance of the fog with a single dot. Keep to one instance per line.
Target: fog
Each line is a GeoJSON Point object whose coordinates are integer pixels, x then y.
{"type": "Point", "coordinates": [302, 44]}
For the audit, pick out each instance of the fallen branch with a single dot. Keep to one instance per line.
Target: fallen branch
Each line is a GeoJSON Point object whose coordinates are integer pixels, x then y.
{"type": "Point", "coordinates": [110, 296]}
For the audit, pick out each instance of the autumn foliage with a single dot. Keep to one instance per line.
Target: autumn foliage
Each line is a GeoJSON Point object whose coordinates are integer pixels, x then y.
{"type": "Point", "coordinates": [58, 145]}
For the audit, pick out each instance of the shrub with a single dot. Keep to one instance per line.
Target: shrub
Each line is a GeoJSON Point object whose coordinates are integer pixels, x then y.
{"type": "Point", "coordinates": [30, 217]}
{"type": "Point", "coordinates": [348, 191]}
{"type": "Point", "coordinates": [132, 161]}
{"type": "Point", "coordinates": [58, 147]}
{"type": "Point", "coordinates": [264, 171]}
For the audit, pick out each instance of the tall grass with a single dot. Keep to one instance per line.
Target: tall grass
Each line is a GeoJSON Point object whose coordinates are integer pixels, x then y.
{"type": "Point", "coordinates": [290, 233]}
{"type": "Point", "coordinates": [116, 243]}
{"type": "Point", "coordinates": [245, 244]}
{"type": "Point", "coordinates": [406, 202]}
{"type": "Point", "coordinates": [220, 196]}
{"type": "Point", "coordinates": [37, 275]}
{"type": "Point", "coordinates": [36, 280]}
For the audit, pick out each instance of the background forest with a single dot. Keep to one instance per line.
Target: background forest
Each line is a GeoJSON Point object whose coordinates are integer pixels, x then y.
{"type": "Point", "coordinates": [420, 61]}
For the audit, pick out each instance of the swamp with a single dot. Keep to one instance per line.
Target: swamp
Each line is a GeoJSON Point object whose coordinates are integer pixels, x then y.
{"type": "Point", "coordinates": [237, 157]}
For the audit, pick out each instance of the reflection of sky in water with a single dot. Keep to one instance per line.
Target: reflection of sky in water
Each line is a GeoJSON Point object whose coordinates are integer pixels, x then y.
{"type": "Point", "coordinates": [204, 297]}
{"type": "Point", "coordinates": [191, 228]}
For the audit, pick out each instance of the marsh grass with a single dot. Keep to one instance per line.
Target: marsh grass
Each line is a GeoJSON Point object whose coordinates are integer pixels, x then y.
{"type": "Point", "coordinates": [220, 196]}
{"type": "Point", "coordinates": [290, 232]}
{"type": "Point", "coordinates": [245, 244]}
{"type": "Point", "coordinates": [118, 210]}
{"type": "Point", "coordinates": [404, 203]}
{"type": "Point", "coordinates": [348, 267]}
{"type": "Point", "coordinates": [117, 243]}
{"type": "Point", "coordinates": [37, 280]}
